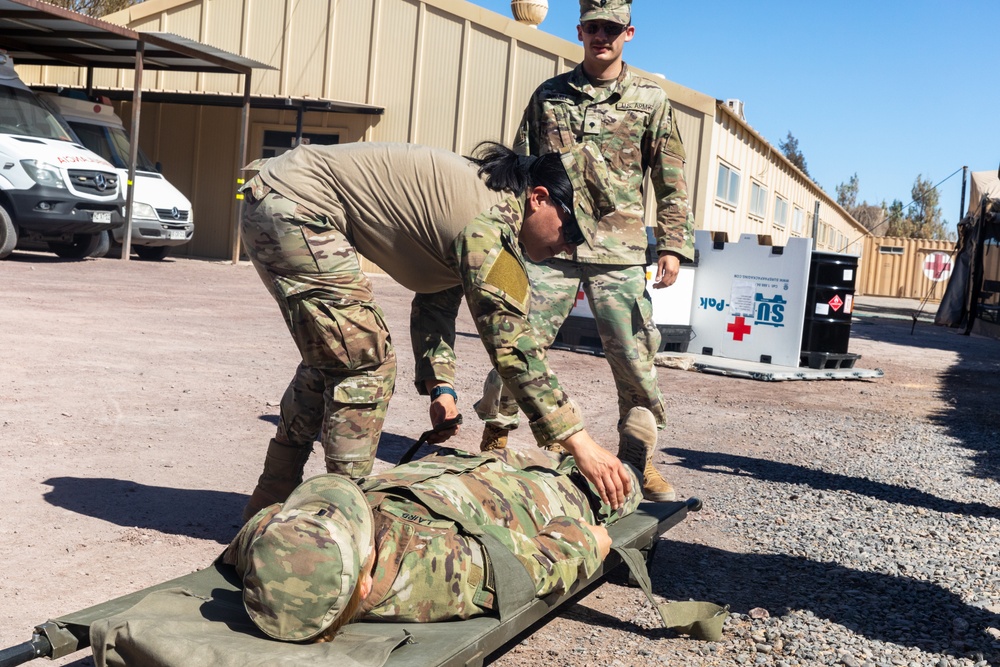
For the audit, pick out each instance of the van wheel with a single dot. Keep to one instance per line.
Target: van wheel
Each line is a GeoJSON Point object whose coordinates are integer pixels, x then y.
{"type": "Point", "coordinates": [8, 234]}
{"type": "Point", "coordinates": [103, 245]}
{"type": "Point", "coordinates": [151, 253]}
{"type": "Point", "coordinates": [81, 246]}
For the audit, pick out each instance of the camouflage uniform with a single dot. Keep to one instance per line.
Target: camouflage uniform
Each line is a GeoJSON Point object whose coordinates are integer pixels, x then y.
{"type": "Point", "coordinates": [342, 387]}
{"type": "Point", "coordinates": [633, 126]}
{"type": "Point", "coordinates": [427, 567]}
{"type": "Point", "coordinates": [307, 256]}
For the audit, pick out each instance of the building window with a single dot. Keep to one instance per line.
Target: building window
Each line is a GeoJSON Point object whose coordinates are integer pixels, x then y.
{"type": "Point", "coordinates": [890, 250]}
{"type": "Point", "coordinates": [758, 200]}
{"type": "Point", "coordinates": [780, 212]}
{"type": "Point", "coordinates": [728, 187]}
{"type": "Point", "coordinates": [798, 219]}
{"type": "Point", "coordinates": [277, 142]}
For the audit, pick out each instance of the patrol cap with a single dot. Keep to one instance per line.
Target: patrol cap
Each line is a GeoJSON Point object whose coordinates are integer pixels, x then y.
{"type": "Point", "coordinates": [616, 11]}
{"type": "Point", "coordinates": [593, 195]}
{"type": "Point", "coordinates": [303, 566]}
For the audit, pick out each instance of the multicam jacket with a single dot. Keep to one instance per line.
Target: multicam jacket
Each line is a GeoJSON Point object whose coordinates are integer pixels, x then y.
{"type": "Point", "coordinates": [495, 285]}
{"type": "Point", "coordinates": [634, 127]}
{"type": "Point", "coordinates": [428, 570]}
{"type": "Point", "coordinates": [426, 218]}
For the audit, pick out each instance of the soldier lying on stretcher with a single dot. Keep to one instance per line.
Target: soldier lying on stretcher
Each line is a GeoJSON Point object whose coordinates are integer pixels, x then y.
{"type": "Point", "coordinates": [408, 545]}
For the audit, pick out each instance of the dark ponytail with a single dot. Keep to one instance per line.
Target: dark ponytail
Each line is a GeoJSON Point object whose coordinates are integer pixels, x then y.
{"type": "Point", "coordinates": [506, 170]}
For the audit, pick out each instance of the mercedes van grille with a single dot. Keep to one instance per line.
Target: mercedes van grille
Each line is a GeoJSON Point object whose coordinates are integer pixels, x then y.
{"type": "Point", "coordinates": [172, 214]}
{"type": "Point", "coordinates": [97, 182]}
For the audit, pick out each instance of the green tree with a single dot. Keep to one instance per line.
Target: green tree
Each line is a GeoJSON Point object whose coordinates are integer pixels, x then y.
{"type": "Point", "coordinates": [95, 8]}
{"type": "Point", "coordinates": [925, 211]}
{"type": "Point", "coordinates": [790, 148]}
{"type": "Point", "coordinates": [871, 216]}
{"type": "Point", "coordinates": [920, 219]}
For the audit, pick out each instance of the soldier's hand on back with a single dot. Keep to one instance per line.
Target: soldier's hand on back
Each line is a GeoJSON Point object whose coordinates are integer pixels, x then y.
{"type": "Point", "coordinates": [600, 467]}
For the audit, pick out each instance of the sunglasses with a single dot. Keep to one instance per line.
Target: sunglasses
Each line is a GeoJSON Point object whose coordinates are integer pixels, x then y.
{"type": "Point", "coordinates": [571, 227]}
{"type": "Point", "coordinates": [612, 30]}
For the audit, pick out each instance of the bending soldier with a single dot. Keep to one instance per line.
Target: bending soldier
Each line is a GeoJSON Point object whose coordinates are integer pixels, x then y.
{"type": "Point", "coordinates": [412, 543]}
{"type": "Point", "coordinates": [629, 120]}
{"type": "Point", "coordinates": [440, 225]}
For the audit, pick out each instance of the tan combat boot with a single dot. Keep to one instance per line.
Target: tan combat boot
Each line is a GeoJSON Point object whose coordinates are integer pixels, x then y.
{"type": "Point", "coordinates": [494, 437]}
{"type": "Point", "coordinates": [283, 468]}
{"type": "Point", "coordinates": [638, 441]}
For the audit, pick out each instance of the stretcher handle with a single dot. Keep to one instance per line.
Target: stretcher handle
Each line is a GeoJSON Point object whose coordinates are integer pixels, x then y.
{"type": "Point", "coordinates": [38, 647]}
{"type": "Point", "coordinates": [443, 426]}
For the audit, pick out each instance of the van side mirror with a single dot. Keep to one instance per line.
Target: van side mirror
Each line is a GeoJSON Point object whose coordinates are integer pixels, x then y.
{"type": "Point", "coordinates": [158, 167]}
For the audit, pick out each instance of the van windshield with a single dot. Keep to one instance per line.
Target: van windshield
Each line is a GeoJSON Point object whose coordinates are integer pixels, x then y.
{"type": "Point", "coordinates": [22, 113]}
{"type": "Point", "coordinates": [111, 143]}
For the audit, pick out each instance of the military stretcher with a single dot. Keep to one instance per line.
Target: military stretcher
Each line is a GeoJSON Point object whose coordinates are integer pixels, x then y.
{"type": "Point", "coordinates": [209, 601]}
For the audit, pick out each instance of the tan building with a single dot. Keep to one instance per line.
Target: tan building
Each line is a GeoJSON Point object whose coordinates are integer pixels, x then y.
{"type": "Point", "coordinates": [445, 73]}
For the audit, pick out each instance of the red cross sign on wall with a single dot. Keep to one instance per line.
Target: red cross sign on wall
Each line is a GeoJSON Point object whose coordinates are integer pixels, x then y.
{"type": "Point", "coordinates": [739, 328]}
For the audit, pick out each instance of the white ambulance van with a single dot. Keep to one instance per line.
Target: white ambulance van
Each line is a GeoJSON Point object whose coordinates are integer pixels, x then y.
{"type": "Point", "coordinates": [161, 215]}
{"type": "Point", "coordinates": [54, 193]}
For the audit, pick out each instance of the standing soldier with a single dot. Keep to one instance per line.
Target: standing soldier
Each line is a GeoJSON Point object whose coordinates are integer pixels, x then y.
{"type": "Point", "coordinates": [630, 122]}
{"type": "Point", "coordinates": [438, 224]}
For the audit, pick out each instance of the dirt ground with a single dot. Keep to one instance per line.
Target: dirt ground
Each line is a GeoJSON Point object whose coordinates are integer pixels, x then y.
{"type": "Point", "coordinates": [137, 399]}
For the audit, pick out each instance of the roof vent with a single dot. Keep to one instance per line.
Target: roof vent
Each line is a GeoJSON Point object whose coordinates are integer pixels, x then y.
{"type": "Point", "coordinates": [736, 106]}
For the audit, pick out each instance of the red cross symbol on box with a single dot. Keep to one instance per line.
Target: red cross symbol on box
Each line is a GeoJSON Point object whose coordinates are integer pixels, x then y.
{"type": "Point", "coordinates": [835, 302]}
{"type": "Point", "coordinates": [739, 328]}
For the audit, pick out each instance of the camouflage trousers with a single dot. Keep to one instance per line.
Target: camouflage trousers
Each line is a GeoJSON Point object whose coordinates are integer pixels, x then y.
{"type": "Point", "coordinates": [342, 387]}
{"type": "Point", "coordinates": [624, 315]}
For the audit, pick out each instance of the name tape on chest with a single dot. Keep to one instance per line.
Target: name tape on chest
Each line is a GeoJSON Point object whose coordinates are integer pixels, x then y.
{"type": "Point", "coordinates": [642, 107]}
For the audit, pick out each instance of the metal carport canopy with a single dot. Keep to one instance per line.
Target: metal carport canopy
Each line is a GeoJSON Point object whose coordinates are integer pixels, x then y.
{"type": "Point", "coordinates": [37, 33]}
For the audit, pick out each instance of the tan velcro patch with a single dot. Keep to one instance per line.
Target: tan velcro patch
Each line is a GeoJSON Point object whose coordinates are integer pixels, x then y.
{"type": "Point", "coordinates": [508, 275]}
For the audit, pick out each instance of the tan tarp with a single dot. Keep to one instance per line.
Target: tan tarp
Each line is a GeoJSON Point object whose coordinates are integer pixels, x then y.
{"type": "Point", "coordinates": [983, 183]}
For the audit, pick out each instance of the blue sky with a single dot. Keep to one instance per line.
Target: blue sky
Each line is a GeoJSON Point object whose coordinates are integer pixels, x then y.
{"type": "Point", "coordinates": [881, 88]}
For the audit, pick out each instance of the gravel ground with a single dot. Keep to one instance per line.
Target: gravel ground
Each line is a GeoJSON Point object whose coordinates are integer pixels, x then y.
{"type": "Point", "coordinates": [845, 522]}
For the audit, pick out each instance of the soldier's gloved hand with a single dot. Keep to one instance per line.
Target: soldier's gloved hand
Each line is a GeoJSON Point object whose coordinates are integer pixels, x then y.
{"type": "Point", "coordinates": [600, 467]}
{"type": "Point", "coordinates": [443, 407]}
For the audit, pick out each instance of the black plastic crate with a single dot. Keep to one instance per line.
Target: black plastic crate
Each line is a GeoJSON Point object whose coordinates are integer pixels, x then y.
{"type": "Point", "coordinates": [579, 334]}
{"type": "Point", "coordinates": [674, 337]}
{"type": "Point", "coordinates": [819, 360]}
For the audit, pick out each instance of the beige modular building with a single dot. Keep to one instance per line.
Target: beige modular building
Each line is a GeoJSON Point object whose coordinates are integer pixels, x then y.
{"type": "Point", "coordinates": [445, 73]}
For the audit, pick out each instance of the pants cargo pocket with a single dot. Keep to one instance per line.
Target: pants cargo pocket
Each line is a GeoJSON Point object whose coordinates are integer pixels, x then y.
{"type": "Point", "coordinates": [332, 333]}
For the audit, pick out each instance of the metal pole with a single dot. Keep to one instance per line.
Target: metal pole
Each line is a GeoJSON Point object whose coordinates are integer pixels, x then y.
{"type": "Point", "coordinates": [815, 232]}
{"type": "Point", "coordinates": [90, 81]}
{"type": "Point", "coordinates": [133, 150]}
{"type": "Point", "coordinates": [961, 205]}
{"type": "Point", "coordinates": [244, 131]}
{"type": "Point", "coordinates": [298, 126]}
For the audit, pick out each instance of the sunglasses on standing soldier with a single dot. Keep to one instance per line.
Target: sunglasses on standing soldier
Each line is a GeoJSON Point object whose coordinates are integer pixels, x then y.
{"type": "Point", "coordinates": [611, 30]}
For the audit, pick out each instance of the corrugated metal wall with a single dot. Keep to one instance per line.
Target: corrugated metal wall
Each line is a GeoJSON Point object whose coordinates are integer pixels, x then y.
{"type": "Point", "coordinates": [895, 267]}
{"type": "Point", "coordinates": [740, 149]}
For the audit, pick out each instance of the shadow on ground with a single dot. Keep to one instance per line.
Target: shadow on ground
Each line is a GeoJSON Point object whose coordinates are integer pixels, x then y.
{"type": "Point", "coordinates": [786, 473]}
{"type": "Point", "coordinates": [868, 603]}
{"type": "Point", "coordinates": [970, 388]}
{"type": "Point", "coordinates": [199, 513]}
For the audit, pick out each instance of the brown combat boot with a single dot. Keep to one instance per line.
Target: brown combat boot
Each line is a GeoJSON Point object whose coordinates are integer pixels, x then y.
{"type": "Point", "coordinates": [494, 437]}
{"type": "Point", "coordinates": [638, 440]}
{"type": "Point", "coordinates": [283, 468]}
